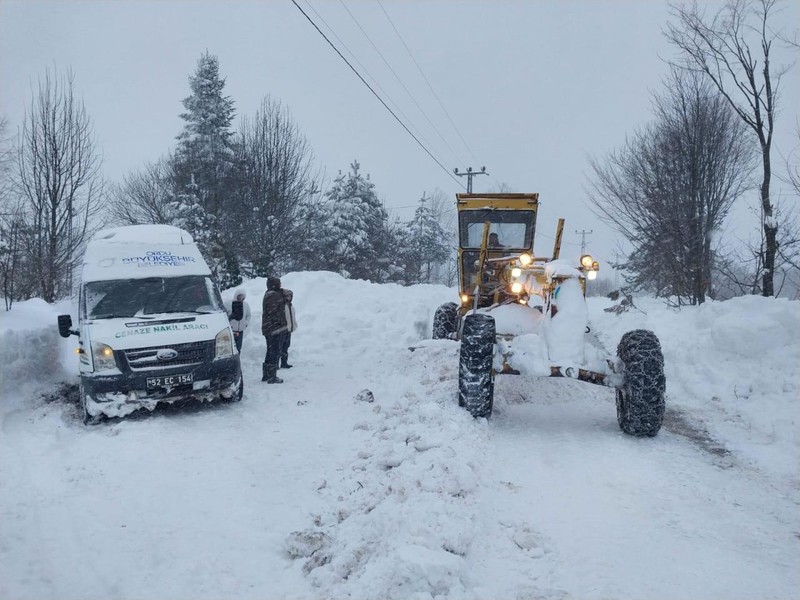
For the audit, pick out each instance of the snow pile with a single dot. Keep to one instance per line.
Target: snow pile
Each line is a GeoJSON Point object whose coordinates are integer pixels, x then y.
{"type": "Point", "coordinates": [403, 516]}
{"type": "Point", "coordinates": [734, 365]}
{"type": "Point", "coordinates": [355, 314]}
{"type": "Point", "coordinates": [566, 331]}
{"type": "Point", "coordinates": [32, 354]}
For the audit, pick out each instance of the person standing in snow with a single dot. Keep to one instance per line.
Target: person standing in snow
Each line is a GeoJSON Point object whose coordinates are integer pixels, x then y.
{"type": "Point", "coordinates": [291, 325]}
{"type": "Point", "coordinates": [274, 328]}
{"type": "Point", "coordinates": [239, 326]}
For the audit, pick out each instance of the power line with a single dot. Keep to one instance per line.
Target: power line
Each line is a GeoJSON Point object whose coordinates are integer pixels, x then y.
{"type": "Point", "coordinates": [550, 237]}
{"type": "Point", "coordinates": [400, 81]}
{"type": "Point", "coordinates": [430, 87]}
{"type": "Point", "coordinates": [366, 71]}
{"type": "Point", "coordinates": [352, 68]}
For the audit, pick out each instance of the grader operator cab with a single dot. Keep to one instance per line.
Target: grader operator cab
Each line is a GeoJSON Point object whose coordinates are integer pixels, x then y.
{"type": "Point", "coordinates": [522, 313]}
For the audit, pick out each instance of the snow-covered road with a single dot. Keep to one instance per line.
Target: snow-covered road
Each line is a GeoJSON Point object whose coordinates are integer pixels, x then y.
{"type": "Point", "coordinates": [303, 490]}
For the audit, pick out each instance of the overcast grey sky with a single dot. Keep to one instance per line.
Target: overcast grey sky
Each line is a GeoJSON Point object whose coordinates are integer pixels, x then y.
{"type": "Point", "coordinates": [533, 87]}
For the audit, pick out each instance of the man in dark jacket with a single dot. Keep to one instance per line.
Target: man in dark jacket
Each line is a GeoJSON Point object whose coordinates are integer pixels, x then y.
{"type": "Point", "coordinates": [273, 326]}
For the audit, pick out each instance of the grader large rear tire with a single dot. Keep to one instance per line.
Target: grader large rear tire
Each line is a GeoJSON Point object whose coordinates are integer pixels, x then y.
{"type": "Point", "coordinates": [475, 379]}
{"type": "Point", "coordinates": [640, 399]}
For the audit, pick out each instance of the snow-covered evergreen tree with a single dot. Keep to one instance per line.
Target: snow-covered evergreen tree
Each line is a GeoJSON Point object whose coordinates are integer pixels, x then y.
{"type": "Point", "coordinates": [205, 145]}
{"type": "Point", "coordinates": [203, 168]}
{"type": "Point", "coordinates": [360, 239]}
{"type": "Point", "coordinates": [425, 245]}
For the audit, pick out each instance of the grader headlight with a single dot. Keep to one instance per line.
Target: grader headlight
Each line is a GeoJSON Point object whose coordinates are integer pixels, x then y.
{"type": "Point", "coordinates": [516, 272]}
{"type": "Point", "coordinates": [591, 275]}
{"type": "Point", "coordinates": [516, 287]}
{"type": "Point", "coordinates": [464, 299]}
{"type": "Point", "coordinates": [525, 259]}
{"type": "Point", "coordinates": [587, 261]}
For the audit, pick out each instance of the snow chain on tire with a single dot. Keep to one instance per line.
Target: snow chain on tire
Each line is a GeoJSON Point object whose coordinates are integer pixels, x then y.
{"type": "Point", "coordinates": [475, 381]}
{"type": "Point", "coordinates": [445, 321]}
{"type": "Point", "coordinates": [640, 400]}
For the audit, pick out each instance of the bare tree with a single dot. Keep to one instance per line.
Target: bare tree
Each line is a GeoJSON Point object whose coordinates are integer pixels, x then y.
{"type": "Point", "coordinates": [790, 247]}
{"type": "Point", "coordinates": [733, 49]}
{"type": "Point", "coordinates": [11, 224]}
{"type": "Point", "coordinates": [444, 211]}
{"type": "Point", "coordinates": [276, 181]}
{"type": "Point", "coordinates": [670, 187]}
{"type": "Point", "coordinates": [145, 196]}
{"type": "Point", "coordinates": [60, 182]}
{"type": "Point", "coordinates": [793, 165]}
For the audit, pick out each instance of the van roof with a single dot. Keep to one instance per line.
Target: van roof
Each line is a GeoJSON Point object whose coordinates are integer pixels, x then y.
{"type": "Point", "coordinates": [140, 251]}
{"type": "Point", "coordinates": [143, 234]}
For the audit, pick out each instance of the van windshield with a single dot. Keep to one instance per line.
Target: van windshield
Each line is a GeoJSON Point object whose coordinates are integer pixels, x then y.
{"type": "Point", "coordinates": [154, 295]}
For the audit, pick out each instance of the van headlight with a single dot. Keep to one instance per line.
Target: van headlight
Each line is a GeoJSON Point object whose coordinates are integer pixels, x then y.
{"type": "Point", "coordinates": [103, 357]}
{"type": "Point", "coordinates": [224, 344]}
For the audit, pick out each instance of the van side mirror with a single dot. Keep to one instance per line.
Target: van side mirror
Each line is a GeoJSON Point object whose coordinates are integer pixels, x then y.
{"type": "Point", "coordinates": [237, 310]}
{"type": "Point", "coordinates": [65, 326]}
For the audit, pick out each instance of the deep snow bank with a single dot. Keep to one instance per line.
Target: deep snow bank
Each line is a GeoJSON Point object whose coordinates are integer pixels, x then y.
{"type": "Point", "coordinates": [32, 354]}
{"type": "Point", "coordinates": [735, 365]}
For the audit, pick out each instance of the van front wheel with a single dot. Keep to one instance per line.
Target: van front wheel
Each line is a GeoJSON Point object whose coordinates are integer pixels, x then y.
{"type": "Point", "coordinates": [88, 419]}
{"type": "Point", "coordinates": [238, 394]}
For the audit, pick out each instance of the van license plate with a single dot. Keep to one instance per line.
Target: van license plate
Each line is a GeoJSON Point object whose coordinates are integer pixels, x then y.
{"type": "Point", "coordinates": [169, 380]}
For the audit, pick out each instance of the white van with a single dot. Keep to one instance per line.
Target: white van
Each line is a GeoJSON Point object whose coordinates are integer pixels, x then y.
{"type": "Point", "coordinates": [151, 324]}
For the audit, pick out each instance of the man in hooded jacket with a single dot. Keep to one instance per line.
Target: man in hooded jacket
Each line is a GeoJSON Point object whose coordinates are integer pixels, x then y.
{"type": "Point", "coordinates": [273, 326]}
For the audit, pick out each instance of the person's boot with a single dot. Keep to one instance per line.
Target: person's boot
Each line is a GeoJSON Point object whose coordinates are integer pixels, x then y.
{"type": "Point", "coordinates": [285, 364]}
{"type": "Point", "coordinates": [264, 372]}
{"type": "Point", "coordinates": [272, 377]}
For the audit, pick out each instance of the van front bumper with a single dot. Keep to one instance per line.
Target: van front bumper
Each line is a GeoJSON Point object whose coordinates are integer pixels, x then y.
{"type": "Point", "coordinates": [121, 394]}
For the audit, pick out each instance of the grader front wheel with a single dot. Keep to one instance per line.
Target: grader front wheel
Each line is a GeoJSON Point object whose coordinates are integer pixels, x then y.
{"type": "Point", "coordinates": [640, 399]}
{"type": "Point", "coordinates": [475, 380]}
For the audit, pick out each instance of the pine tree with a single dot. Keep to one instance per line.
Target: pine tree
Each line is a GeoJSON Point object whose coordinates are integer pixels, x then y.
{"type": "Point", "coordinates": [425, 245]}
{"type": "Point", "coordinates": [203, 169]}
{"type": "Point", "coordinates": [205, 145]}
{"type": "Point", "coordinates": [360, 236]}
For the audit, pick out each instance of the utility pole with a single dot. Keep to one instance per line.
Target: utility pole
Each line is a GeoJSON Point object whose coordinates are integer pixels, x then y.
{"type": "Point", "coordinates": [469, 175]}
{"type": "Point", "coordinates": [583, 235]}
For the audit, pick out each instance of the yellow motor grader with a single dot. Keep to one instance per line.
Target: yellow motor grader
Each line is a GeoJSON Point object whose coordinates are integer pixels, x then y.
{"type": "Point", "coordinates": [519, 312]}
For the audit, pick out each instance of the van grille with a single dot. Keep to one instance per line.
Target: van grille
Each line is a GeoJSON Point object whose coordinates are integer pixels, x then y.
{"type": "Point", "coordinates": [190, 354]}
